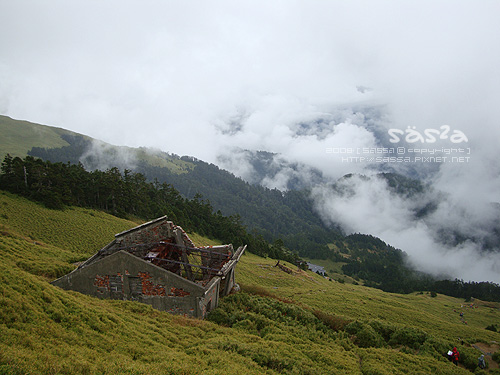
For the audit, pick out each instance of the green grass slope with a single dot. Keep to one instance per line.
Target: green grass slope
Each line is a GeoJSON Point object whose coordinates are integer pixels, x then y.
{"type": "Point", "coordinates": [288, 323]}
{"type": "Point", "coordinates": [18, 137]}
{"type": "Point", "coordinates": [438, 315]}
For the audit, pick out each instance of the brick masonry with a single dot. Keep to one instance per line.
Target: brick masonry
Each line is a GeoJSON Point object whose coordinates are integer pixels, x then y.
{"type": "Point", "coordinates": [123, 270]}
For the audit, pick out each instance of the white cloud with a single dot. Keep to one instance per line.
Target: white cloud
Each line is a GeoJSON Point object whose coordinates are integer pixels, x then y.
{"type": "Point", "coordinates": [367, 205]}
{"type": "Point", "coordinates": [205, 77]}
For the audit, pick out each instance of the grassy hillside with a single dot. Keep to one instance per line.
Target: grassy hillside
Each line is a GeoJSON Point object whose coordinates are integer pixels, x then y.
{"type": "Point", "coordinates": [18, 137]}
{"type": "Point", "coordinates": [290, 323]}
{"type": "Point", "coordinates": [355, 302]}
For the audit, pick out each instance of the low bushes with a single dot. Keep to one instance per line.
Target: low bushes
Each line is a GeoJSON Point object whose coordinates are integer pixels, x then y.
{"type": "Point", "coordinates": [492, 327]}
{"type": "Point", "coordinates": [496, 356]}
{"type": "Point", "coordinates": [408, 336]}
{"type": "Point", "coordinates": [380, 334]}
{"type": "Point", "coordinates": [277, 320]}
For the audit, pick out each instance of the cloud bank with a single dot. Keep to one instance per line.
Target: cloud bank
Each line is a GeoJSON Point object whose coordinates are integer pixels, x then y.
{"type": "Point", "coordinates": [176, 76]}
{"type": "Point", "coordinates": [448, 241]}
{"type": "Point", "coordinates": [296, 78]}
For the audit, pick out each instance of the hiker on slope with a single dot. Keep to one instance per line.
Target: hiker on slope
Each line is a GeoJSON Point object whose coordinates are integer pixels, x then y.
{"type": "Point", "coordinates": [480, 361]}
{"type": "Point", "coordinates": [455, 356]}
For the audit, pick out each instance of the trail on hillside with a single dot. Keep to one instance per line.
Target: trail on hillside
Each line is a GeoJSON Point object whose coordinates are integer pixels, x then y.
{"type": "Point", "coordinates": [488, 351]}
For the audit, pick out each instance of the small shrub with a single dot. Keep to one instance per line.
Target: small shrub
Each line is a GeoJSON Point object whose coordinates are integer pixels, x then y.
{"type": "Point", "coordinates": [408, 336]}
{"type": "Point", "coordinates": [368, 337]}
{"type": "Point", "coordinates": [407, 350]}
{"type": "Point", "coordinates": [247, 325]}
{"type": "Point", "coordinates": [429, 348]}
{"type": "Point", "coordinates": [218, 316]}
{"type": "Point", "coordinates": [272, 362]}
{"type": "Point", "coordinates": [335, 322]}
{"type": "Point", "coordinates": [364, 335]}
{"type": "Point", "coordinates": [353, 327]}
{"type": "Point", "coordinates": [492, 327]}
{"type": "Point", "coordinates": [496, 357]}
{"type": "Point", "coordinates": [433, 294]}
{"type": "Point", "coordinates": [384, 329]}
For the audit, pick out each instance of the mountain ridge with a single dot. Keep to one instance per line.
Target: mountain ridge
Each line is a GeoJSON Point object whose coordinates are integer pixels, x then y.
{"type": "Point", "coordinates": [288, 216]}
{"type": "Point", "coordinates": [270, 212]}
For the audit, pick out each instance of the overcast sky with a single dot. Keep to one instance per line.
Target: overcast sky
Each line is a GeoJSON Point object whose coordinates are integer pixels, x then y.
{"type": "Point", "coordinates": [173, 74]}
{"type": "Point", "coordinates": [201, 78]}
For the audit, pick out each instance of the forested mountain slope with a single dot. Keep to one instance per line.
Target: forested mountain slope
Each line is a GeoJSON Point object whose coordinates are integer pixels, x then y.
{"type": "Point", "coordinates": [272, 213]}
{"type": "Point", "coordinates": [235, 211]}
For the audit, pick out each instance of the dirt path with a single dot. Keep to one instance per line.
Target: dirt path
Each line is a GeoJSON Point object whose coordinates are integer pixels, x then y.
{"type": "Point", "coordinates": [488, 350]}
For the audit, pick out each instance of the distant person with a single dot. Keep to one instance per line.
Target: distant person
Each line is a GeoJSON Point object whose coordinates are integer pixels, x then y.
{"type": "Point", "coordinates": [455, 356]}
{"type": "Point", "coordinates": [480, 361]}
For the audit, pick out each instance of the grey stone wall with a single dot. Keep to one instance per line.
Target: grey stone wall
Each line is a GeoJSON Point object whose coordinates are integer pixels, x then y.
{"type": "Point", "coordinates": [124, 276]}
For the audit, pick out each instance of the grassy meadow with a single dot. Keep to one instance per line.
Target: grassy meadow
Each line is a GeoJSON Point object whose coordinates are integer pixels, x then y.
{"type": "Point", "coordinates": [18, 137]}
{"type": "Point", "coordinates": [281, 323]}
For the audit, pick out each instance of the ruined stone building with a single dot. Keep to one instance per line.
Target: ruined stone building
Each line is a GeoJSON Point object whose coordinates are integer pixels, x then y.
{"type": "Point", "coordinates": [156, 263]}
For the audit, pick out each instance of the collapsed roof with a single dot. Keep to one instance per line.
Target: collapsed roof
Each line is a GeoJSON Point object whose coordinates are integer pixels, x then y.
{"type": "Point", "coordinates": [158, 259]}
{"type": "Point", "coordinates": [168, 246]}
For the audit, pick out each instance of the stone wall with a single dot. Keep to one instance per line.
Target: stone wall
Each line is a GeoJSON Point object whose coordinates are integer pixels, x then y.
{"type": "Point", "coordinates": [126, 277]}
{"type": "Point", "coordinates": [158, 264]}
